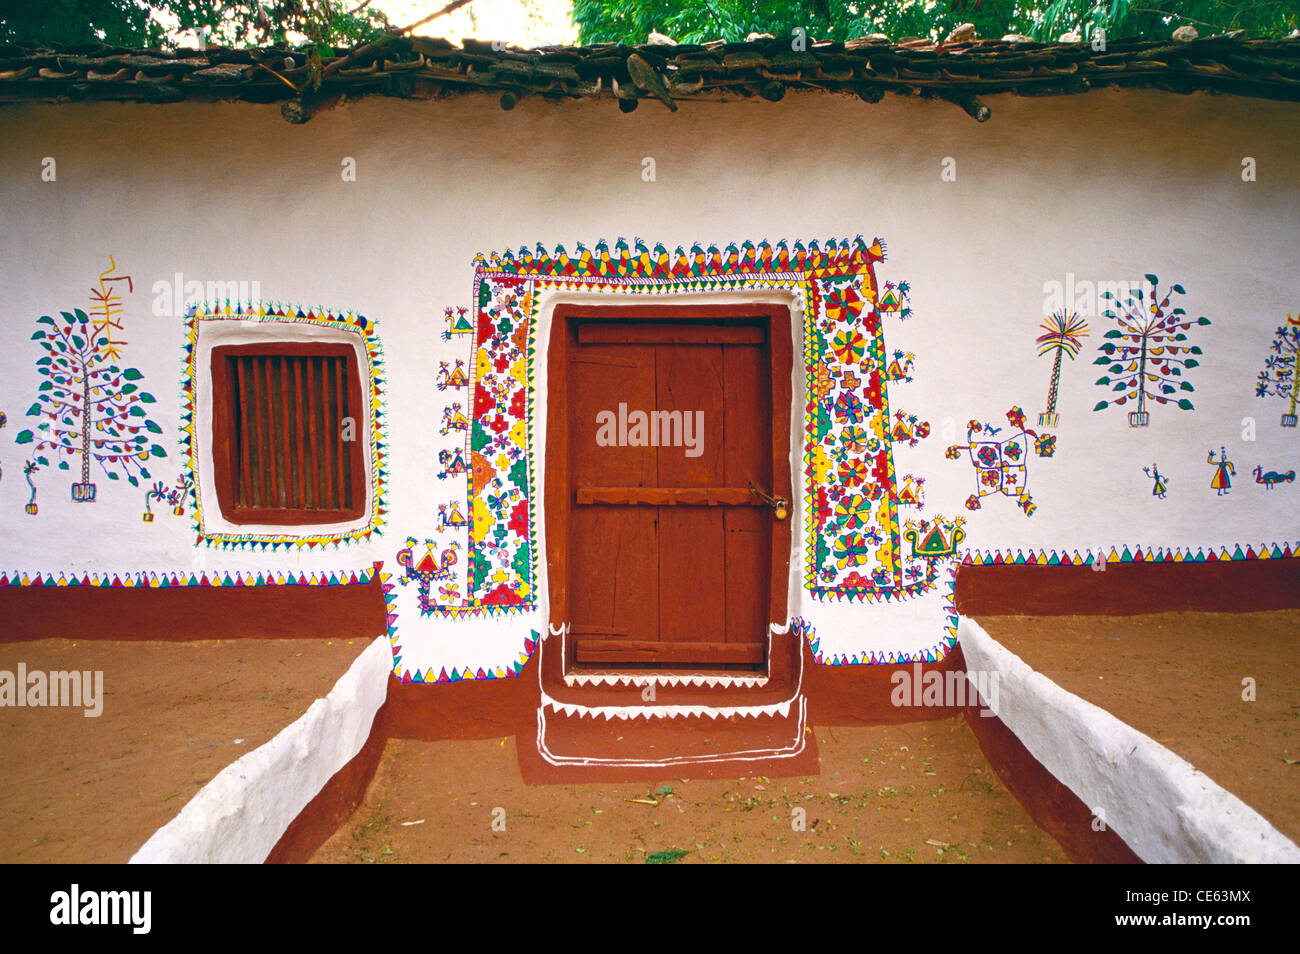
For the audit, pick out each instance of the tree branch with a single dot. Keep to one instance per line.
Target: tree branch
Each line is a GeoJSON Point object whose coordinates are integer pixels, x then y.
{"type": "Point", "coordinates": [369, 48]}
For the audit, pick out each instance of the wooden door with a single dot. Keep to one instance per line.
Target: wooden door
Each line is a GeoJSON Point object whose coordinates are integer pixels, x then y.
{"type": "Point", "coordinates": [669, 433]}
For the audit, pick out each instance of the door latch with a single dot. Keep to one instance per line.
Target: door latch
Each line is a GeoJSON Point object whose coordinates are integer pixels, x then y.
{"type": "Point", "coordinates": [779, 505]}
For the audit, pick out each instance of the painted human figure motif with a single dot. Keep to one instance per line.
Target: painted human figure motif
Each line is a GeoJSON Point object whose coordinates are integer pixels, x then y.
{"type": "Point", "coordinates": [1223, 473]}
{"type": "Point", "coordinates": [1160, 483]}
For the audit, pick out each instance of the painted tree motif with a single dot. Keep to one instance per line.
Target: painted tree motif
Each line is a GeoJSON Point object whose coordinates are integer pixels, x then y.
{"type": "Point", "coordinates": [1282, 369]}
{"type": "Point", "coordinates": [87, 404]}
{"type": "Point", "coordinates": [1143, 354]}
{"type": "Point", "coordinates": [1064, 336]}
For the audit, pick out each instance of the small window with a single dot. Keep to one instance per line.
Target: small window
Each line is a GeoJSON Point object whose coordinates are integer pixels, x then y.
{"type": "Point", "coordinates": [288, 433]}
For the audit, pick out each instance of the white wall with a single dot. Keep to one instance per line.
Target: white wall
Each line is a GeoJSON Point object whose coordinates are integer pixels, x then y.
{"type": "Point", "coordinates": [1108, 186]}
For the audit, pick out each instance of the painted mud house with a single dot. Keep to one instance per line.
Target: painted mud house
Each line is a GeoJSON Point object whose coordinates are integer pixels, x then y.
{"type": "Point", "coordinates": [692, 390]}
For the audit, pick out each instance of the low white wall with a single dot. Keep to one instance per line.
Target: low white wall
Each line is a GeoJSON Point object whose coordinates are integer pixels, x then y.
{"type": "Point", "coordinates": [241, 814]}
{"type": "Point", "coordinates": [1164, 808]}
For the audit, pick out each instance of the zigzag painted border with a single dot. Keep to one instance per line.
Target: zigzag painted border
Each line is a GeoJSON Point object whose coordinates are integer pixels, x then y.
{"type": "Point", "coordinates": [935, 653]}
{"type": "Point", "coordinates": [1265, 551]}
{"type": "Point", "coordinates": [149, 580]}
{"type": "Point", "coordinates": [276, 312]}
{"type": "Point", "coordinates": [640, 262]}
{"type": "Point", "coordinates": [466, 675]}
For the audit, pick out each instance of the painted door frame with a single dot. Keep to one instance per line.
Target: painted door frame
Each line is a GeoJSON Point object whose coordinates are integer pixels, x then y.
{"type": "Point", "coordinates": [781, 662]}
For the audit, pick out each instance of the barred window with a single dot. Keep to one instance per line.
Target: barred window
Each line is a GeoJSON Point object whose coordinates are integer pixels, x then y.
{"type": "Point", "coordinates": [288, 433]}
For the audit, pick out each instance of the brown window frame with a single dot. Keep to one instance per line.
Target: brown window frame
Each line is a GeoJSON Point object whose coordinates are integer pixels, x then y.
{"type": "Point", "coordinates": [225, 446]}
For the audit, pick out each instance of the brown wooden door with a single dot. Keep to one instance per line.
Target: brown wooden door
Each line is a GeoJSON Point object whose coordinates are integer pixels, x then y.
{"type": "Point", "coordinates": [669, 551]}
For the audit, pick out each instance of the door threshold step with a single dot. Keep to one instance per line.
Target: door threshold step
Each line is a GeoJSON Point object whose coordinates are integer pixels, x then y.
{"type": "Point", "coordinates": [711, 678]}
{"type": "Point", "coordinates": [671, 739]}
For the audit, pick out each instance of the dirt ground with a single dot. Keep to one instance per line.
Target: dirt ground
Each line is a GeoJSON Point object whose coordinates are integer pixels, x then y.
{"type": "Point", "coordinates": [77, 789]}
{"type": "Point", "coordinates": [912, 793]}
{"type": "Point", "coordinates": [1178, 678]}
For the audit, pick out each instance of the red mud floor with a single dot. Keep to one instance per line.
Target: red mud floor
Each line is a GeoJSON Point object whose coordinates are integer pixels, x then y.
{"type": "Point", "coordinates": [74, 789]}
{"type": "Point", "coordinates": [1178, 678]}
{"type": "Point", "coordinates": [921, 792]}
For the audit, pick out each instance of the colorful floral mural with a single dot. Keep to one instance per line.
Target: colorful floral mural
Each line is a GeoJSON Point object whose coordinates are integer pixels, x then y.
{"type": "Point", "coordinates": [854, 543]}
{"type": "Point", "coordinates": [855, 548]}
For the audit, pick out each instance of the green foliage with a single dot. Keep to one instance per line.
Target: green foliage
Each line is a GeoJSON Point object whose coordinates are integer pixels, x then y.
{"type": "Point", "coordinates": [669, 857]}
{"type": "Point", "coordinates": [695, 21]}
{"type": "Point", "coordinates": [119, 22]}
{"type": "Point", "coordinates": [1122, 19]}
{"type": "Point", "coordinates": [324, 23]}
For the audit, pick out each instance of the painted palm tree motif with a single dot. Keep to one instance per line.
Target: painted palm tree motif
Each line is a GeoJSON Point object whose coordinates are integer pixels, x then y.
{"type": "Point", "coordinates": [30, 468]}
{"type": "Point", "coordinates": [1146, 355]}
{"type": "Point", "coordinates": [1282, 369]}
{"type": "Point", "coordinates": [1064, 336]}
